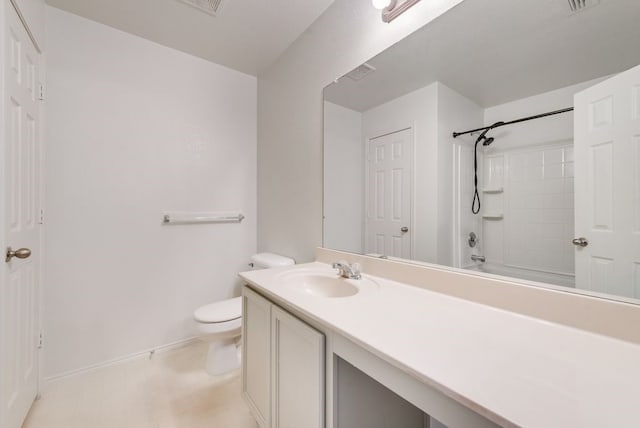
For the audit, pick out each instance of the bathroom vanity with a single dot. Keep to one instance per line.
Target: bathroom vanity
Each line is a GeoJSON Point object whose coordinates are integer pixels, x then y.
{"type": "Point", "coordinates": [463, 363]}
{"type": "Point", "coordinates": [283, 365]}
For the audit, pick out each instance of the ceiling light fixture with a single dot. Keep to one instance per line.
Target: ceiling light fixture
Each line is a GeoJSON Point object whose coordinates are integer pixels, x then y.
{"type": "Point", "coordinates": [391, 9]}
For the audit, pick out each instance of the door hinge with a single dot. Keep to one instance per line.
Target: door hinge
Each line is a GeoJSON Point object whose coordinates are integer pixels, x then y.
{"type": "Point", "coordinates": [40, 341]}
{"type": "Point", "coordinates": [41, 92]}
{"type": "Point", "coordinates": [41, 220]}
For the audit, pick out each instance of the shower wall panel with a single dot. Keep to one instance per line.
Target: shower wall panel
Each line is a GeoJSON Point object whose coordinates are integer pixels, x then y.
{"type": "Point", "coordinates": [527, 211]}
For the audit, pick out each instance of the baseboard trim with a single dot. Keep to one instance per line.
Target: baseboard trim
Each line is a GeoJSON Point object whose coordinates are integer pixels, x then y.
{"type": "Point", "coordinates": [135, 356]}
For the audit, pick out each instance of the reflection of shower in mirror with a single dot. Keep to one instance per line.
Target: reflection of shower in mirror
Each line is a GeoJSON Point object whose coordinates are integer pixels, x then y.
{"type": "Point", "coordinates": [533, 177]}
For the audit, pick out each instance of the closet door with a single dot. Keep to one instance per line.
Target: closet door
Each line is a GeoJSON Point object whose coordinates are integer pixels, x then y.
{"type": "Point", "coordinates": [256, 355]}
{"type": "Point", "coordinates": [298, 372]}
{"type": "Point", "coordinates": [388, 195]}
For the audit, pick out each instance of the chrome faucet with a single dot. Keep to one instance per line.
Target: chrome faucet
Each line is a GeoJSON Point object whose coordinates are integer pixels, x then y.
{"type": "Point", "coordinates": [477, 258]}
{"type": "Point", "coordinates": [348, 271]}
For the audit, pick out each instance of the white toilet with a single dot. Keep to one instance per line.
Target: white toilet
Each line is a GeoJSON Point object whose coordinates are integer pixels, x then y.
{"type": "Point", "coordinates": [219, 323]}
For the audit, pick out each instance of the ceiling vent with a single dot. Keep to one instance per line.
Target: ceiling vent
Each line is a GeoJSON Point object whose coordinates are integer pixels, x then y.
{"type": "Point", "coordinates": [361, 72]}
{"type": "Point", "coordinates": [576, 6]}
{"type": "Point", "coordinates": [212, 7]}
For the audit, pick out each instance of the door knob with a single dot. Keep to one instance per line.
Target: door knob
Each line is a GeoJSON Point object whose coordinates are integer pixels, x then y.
{"type": "Point", "coordinates": [580, 242]}
{"type": "Point", "coordinates": [22, 253]}
{"type": "Point", "coordinates": [404, 229]}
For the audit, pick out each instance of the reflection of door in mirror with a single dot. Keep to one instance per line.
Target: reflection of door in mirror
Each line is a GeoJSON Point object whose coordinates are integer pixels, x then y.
{"type": "Point", "coordinates": [445, 84]}
{"type": "Point", "coordinates": [388, 200]}
{"type": "Point", "coordinates": [607, 150]}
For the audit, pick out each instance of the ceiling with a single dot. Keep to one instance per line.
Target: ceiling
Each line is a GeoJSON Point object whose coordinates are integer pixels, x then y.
{"type": "Point", "coordinates": [496, 51]}
{"type": "Point", "coordinates": [246, 35]}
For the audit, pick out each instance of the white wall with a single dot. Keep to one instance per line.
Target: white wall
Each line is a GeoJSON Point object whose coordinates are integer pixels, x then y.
{"type": "Point", "coordinates": [551, 128]}
{"type": "Point", "coordinates": [434, 112]}
{"type": "Point", "coordinates": [419, 111]}
{"type": "Point", "coordinates": [135, 129]}
{"type": "Point", "coordinates": [290, 115]}
{"type": "Point", "coordinates": [343, 190]}
{"type": "Point", "coordinates": [455, 220]}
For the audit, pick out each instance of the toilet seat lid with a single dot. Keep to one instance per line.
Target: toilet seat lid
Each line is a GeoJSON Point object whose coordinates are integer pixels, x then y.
{"type": "Point", "coordinates": [222, 311]}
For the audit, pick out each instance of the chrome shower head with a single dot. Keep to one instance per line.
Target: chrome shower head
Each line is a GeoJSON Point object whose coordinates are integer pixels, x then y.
{"type": "Point", "coordinates": [487, 141]}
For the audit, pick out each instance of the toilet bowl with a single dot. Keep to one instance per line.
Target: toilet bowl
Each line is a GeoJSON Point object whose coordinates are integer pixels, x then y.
{"type": "Point", "coordinates": [220, 323]}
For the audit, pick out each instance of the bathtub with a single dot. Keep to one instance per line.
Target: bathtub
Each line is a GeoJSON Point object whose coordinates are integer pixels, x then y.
{"type": "Point", "coordinates": [526, 274]}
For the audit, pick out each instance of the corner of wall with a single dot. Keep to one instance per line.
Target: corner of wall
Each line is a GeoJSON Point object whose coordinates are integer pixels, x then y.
{"type": "Point", "coordinates": [290, 116]}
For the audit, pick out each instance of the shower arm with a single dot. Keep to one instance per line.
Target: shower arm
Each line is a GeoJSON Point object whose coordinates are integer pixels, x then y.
{"type": "Point", "coordinates": [524, 119]}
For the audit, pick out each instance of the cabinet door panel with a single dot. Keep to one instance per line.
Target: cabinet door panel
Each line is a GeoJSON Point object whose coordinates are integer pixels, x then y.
{"type": "Point", "coordinates": [298, 372]}
{"type": "Point", "coordinates": [256, 349]}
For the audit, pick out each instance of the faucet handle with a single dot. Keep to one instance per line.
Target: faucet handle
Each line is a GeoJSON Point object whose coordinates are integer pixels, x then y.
{"type": "Point", "coordinates": [341, 265]}
{"type": "Point", "coordinates": [356, 271]}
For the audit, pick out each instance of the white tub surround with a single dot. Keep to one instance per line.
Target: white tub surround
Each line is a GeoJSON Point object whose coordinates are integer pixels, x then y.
{"type": "Point", "coordinates": [513, 369]}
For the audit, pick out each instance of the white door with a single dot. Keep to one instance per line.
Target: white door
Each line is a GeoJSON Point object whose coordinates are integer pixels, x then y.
{"type": "Point", "coordinates": [298, 372]}
{"type": "Point", "coordinates": [389, 176]}
{"type": "Point", "coordinates": [607, 185]}
{"type": "Point", "coordinates": [20, 210]}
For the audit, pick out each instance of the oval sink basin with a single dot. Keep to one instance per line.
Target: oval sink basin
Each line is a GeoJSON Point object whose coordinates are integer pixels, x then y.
{"type": "Point", "coordinates": [324, 283]}
{"type": "Point", "coordinates": [319, 285]}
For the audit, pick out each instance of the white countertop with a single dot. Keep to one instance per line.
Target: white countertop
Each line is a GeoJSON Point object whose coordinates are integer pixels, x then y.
{"type": "Point", "coordinates": [526, 371]}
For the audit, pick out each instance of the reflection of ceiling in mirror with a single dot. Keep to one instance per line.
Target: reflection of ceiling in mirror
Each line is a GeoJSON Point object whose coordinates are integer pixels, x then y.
{"type": "Point", "coordinates": [496, 51]}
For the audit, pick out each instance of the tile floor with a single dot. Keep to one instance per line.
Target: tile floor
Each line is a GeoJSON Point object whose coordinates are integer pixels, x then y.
{"type": "Point", "coordinates": [170, 390]}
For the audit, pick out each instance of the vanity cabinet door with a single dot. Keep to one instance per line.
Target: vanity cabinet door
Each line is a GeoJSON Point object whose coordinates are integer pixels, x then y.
{"type": "Point", "coordinates": [256, 355]}
{"type": "Point", "coordinates": [298, 372]}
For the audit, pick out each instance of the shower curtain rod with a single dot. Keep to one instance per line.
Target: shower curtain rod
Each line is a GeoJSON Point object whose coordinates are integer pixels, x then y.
{"type": "Point", "coordinates": [524, 119]}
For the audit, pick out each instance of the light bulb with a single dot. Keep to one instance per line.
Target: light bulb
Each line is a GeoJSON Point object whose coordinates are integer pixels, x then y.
{"type": "Point", "coordinates": [381, 4]}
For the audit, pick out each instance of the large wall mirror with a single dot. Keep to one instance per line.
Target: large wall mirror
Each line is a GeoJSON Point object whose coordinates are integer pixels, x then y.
{"type": "Point", "coordinates": [553, 199]}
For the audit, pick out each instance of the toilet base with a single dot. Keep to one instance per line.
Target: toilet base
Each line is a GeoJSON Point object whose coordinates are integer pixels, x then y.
{"type": "Point", "coordinates": [223, 357]}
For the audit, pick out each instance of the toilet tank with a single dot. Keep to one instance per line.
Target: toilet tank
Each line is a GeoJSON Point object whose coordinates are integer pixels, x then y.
{"type": "Point", "coordinates": [270, 260]}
